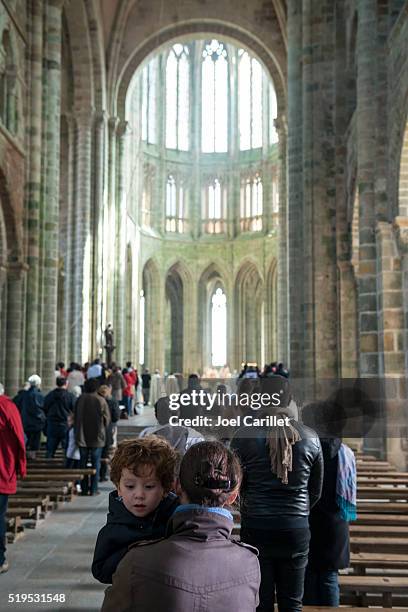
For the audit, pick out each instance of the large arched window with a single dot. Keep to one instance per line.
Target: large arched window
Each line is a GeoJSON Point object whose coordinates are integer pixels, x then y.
{"type": "Point", "coordinates": [250, 101]}
{"type": "Point", "coordinates": [214, 86]}
{"type": "Point", "coordinates": [149, 96]}
{"type": "Point", "coordinates": [177, 98]}
{"type": "Point", "coordinates": [218, 328]}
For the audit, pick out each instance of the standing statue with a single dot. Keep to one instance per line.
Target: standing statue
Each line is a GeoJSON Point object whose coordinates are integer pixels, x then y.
{"type": "Point", "coordinates": [109, 346]}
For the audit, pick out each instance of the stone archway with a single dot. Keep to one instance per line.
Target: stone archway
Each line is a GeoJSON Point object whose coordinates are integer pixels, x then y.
{"type": "Point", "coordinates": [153, 316]}
{"type": "Point", "coordinates": [174, 325]}
{"type": "Point", "coordinates": [210, 280]}
{"type": "Point", "coordinates": [249, 315]}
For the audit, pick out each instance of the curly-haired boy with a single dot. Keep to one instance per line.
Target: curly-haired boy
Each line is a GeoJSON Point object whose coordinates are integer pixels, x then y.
{"type": "Point", "coordinates": [143, 471]}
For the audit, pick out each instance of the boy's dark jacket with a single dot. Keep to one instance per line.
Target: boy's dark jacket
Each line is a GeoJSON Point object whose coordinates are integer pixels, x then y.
{"type": "Point", "coordinates": [123, 529]}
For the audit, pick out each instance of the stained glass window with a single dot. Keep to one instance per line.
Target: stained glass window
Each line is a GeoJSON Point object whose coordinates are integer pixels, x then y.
{"type": "Point", "coordinates": [250, 76]}
{"type": "Point", "coordinates": [214, 111]}
{"type": "Point", "coordinates": [177, 98]}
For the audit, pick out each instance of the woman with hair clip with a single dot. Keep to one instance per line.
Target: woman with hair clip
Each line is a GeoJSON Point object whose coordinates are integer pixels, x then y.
{"type": "Point", "coordinates": [198, 566]}
{"type": "Point", "coordinates": [283, 473]}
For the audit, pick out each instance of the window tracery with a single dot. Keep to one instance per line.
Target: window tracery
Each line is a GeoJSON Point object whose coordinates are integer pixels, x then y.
{"type": "Point", "coordinates": [251, 203]}
{"type": "Point", "coordinates": [214, 103]}
{"type": "Point", "coordinates": [177, 98]}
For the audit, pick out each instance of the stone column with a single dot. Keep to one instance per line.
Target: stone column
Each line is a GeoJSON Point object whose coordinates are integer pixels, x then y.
{"type": "Point", "coordinates": [366, 146]}
{"type": "Point", "coordinates": [53, 27]}
{"type": "Point", "coordinates": [295, 187]}
{"type": "Point", "coordinates": [283, 281]}
{"type": "Point", "coordinates": [81, 323]}
{"type": "Point", "coordinates": [319, 203]}
{"type": "Point", "coordinates": [33, 186]}
{"type": "Point", "coordinates": [110, 222]}
{"type": "Point", "coordinates": [99, 209]}
{"type": "Point", "coordinates": [70, 262]}
{"type": "Point", "coordinates": [122, 273]}
{"type": "Point", "coordinates": [348, 319]}
{"type": "Point", "coordinates": [15, 283]}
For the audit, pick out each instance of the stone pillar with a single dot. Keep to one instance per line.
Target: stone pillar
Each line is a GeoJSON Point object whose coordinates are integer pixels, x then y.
{"type": "Point", "coordinates": [319, 203]}
{"type": "Point", "coordinates": [69, 254]}
{"type": "Point", "coordinates": [348, 319]}
{"type": "Point", "coordinates": [283, 280]}
{"type": "Point", "coordinates": [81, 323]}
{"type": "Point", "coordinates": [366, 146]}
{"type": "Point", "coordinates": [295, 187]}
{"type": "Point", "coordinates": [391, 261]}
{"type": "Point", "coordinates": [110, 222]}
{"type": "Point", "coordinates": [99, 208]}
{"type": "Point", "coordinates": [122, 273]}
{"type": "Point", "coordinates": [33, 186]}
{"type": "Point", "coordinates": [52, 59]}
{"type": "Point", "coordinates": [15, 283]}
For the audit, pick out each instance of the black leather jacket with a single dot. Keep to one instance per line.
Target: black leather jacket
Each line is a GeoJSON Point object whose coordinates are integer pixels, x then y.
{"type": "Point", "coordinates": [266, 503]}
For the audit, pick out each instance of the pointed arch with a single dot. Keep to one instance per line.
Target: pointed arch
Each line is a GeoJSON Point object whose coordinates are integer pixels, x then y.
{"type": "Point", "coordinates": [249, 314]}
{"type": "Point", "coordinates": [211, 279]}
{"type": "Point", "coordinates": [152, 290]}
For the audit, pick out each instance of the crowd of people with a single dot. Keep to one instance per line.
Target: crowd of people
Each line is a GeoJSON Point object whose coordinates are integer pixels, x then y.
{"type": "Point", "coordinates": [169, 522]}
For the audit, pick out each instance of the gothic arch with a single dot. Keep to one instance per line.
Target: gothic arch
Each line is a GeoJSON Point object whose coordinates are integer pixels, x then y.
{"type": "Point", "coordinates": [210, 279]}
{"type": "Point", "coordinates": [153, 323]}
{"type": "Point", "coordinates": [249, 314]}
{"type": "Point", "coordinates": [228, 31]}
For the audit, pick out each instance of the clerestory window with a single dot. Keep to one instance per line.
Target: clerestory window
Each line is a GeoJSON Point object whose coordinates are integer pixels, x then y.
{"type": "Point", "coordinates": [177, 98]}
{"type": "Point", "coordinates": [214, 87]}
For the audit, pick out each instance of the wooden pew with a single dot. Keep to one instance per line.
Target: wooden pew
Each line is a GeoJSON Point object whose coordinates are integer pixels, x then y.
{"type": "Point", "coordinates": [386, 479]}
{"type": "Point", "coordinates": [381, 492]}
{"type": "Point", "coordinates": [360, 562]}
{"type": "Point", "coordinates": [14, 528]}
{"type": "Point", "coordinates": [382, 519]}
{"type": "Point", "coordinates": [379, 544]}
{"type": "Point", "coordinates": [390, 531]}
{"type": "Point", "coordinates": [366, 589]}
{"type": "Point", "coordinates": [382, 507]}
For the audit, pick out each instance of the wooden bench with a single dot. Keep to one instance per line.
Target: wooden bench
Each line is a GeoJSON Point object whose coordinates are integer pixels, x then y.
{"type": "Point", "coordinates": [383, 507]}
{"type": "Point", "coordinates": [362, 561]}
{"type": "Point", "coordinates": [375, 475]}
{"type": "Point", "coordinates": [391, 531]}
{"type": "Point", "coordinates": [68, 472]}
{"type": "Point", "coordinates": [346, 609]}
{"type": "Point", "coordinates": [55, 493]}
{"type": "Point", "coordinates": [384, 589]}
{"type": "Point", "coordinates": [381, 492]}
{"type": "Point", "coordinates": [379, 544]}
{"type": "Point", "coordinates": [14, 528]}
{"type": "Point", "coordinates": [382, 519]}
{"type": "Point", "coordinates": [382, 480]}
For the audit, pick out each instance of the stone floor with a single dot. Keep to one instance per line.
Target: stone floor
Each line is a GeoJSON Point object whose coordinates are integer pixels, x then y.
{"type": "Point", "coordinates": [56, 557]}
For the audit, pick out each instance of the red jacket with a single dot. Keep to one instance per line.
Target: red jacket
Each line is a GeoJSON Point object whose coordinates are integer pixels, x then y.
{"type": "Point", "coordinates": [12, 446]}
{"type": "Point", "coordinates": [131, 382]}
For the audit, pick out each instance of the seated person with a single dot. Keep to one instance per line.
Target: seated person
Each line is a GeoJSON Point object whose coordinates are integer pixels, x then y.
{"type": "Point", "coordinates": [198, 566]}
{"type": "Point", "coordinates": [144, 473]}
